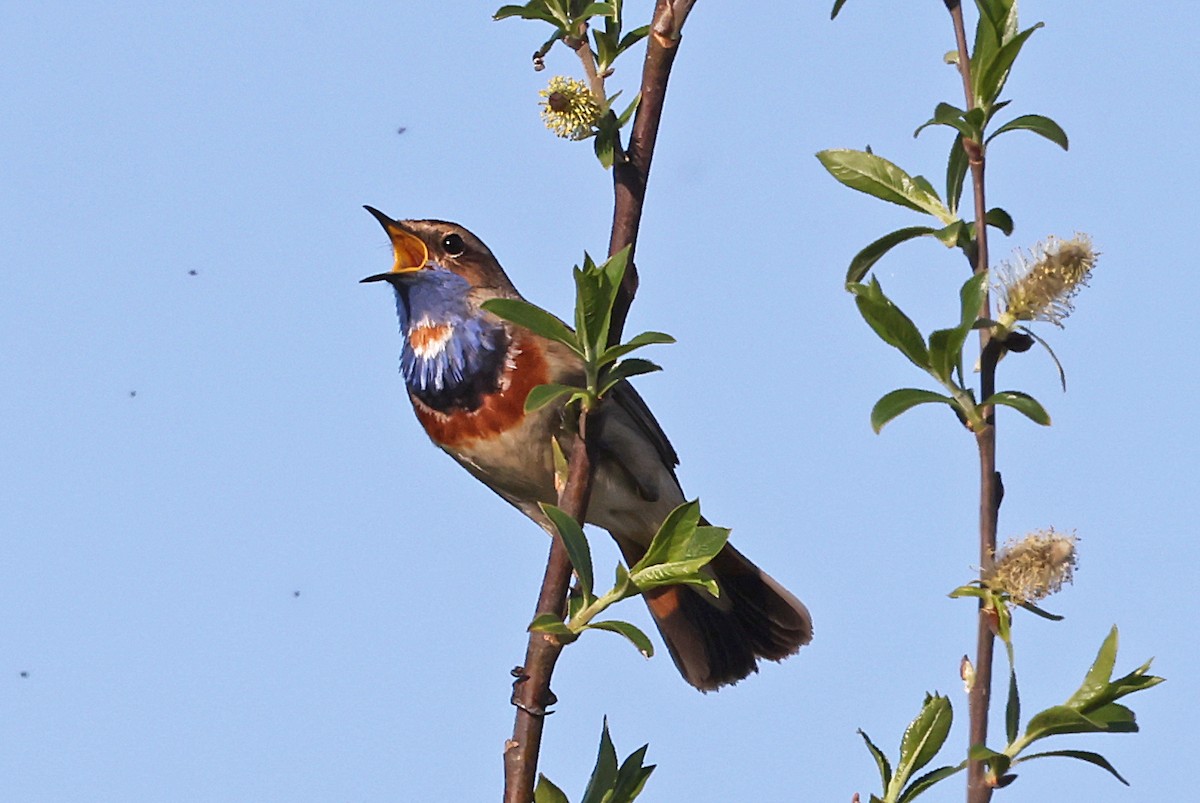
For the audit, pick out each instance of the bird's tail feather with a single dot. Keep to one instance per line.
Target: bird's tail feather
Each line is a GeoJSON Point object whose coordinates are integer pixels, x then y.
{"type": "Point", "coordinates": [716, 642]}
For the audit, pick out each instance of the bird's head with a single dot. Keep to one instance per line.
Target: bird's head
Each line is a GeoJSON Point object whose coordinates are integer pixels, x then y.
{"type": "Point", "coordinates": [436, 245]}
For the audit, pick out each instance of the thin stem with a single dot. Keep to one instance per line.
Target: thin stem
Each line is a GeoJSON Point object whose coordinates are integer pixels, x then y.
{"type": "Point", "coordinates": [584, 50]}
{"type": "Point", "coordinates": [979, 700]}
{"type": "Point", "coordinates": [631, 173]}
{"type": "Point", "coordinates": [531, 692]}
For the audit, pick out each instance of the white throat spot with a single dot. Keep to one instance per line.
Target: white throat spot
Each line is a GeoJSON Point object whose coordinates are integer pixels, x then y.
{"type": "Point", "coordinates": [428, 340]}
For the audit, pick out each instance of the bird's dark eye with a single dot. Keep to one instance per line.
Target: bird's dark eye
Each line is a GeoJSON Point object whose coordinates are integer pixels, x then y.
{"type": "Point", "coordinates": [453, 245]}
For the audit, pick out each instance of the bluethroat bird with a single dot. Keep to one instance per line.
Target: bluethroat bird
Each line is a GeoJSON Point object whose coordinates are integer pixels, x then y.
{"type": "Point", "coordinates": [467, 373]}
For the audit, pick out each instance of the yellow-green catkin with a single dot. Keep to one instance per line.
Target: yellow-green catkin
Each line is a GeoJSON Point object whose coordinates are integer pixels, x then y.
{"type": "Point", "coordinates": [1042, 285]}
{"type": "Point", "coordinates": [569, 108]}
{"type": "Point", "coordinates": [1034, 567]}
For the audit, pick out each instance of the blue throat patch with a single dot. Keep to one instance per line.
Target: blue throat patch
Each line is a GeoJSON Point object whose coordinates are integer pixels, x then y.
{"type": "Point", "coordinates": [452, 356]}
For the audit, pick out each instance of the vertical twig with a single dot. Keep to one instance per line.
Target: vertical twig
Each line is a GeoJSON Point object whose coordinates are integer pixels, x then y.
{"type": "Point", "coordinates": [979, 699]}
{"type": "Point", "coordinates": [531, 693]}
{"type": "Point", "coordinates": [632, 169]}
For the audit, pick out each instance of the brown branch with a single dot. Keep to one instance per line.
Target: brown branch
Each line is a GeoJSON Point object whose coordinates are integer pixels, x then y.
{"type": "Point", "coordinates": [631, 170]}
{"type": "Point", "coordinates": [979, 699]}
{"type": "Point", "coordinates": [584, 50]}
{"type": "Point", "coordinates": [531, 691]}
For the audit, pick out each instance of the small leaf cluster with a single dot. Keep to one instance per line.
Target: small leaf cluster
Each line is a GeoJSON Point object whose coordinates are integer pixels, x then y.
{"type": "Point", "coordinates": [941, 357]}
{"type": "Point", "coordinates": [1091, 709]}
{"type": "Point", "coordinates": [571, 20]}
{"type": "Point", "coordinates": [681, 549]}
{"type": "Point", "coordinates": [922, 740]}
{"type": "Point", "coordinates": [997, 44]}
{"type": "Point", "coordinates": [609, 782]}
{"type": "Point", "coordinates": [596, 288]}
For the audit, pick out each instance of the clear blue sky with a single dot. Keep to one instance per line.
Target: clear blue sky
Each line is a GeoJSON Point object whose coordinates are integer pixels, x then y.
{"type": "Point", "coordinates": [153, 543]}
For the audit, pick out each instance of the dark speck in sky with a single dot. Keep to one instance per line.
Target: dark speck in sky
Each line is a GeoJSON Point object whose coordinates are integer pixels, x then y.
{"type": "Point", "coordinates": [401, 129]}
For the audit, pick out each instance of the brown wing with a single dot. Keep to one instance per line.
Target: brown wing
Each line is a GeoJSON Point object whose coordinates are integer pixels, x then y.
{"type": "Point", "coordinates": [630, 437]}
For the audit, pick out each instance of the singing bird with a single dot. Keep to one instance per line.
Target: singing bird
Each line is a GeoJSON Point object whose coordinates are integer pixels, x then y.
{"type": "Point", "coordinates": [467, 373]}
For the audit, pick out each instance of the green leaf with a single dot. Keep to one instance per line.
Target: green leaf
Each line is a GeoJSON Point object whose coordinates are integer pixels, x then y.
{"type": "Point", "coordinates": [1095, 684]}
{"type": "Point", "coordinates": [969, 591]}
{"type": "Point", "coordinates": [623, 370]}
{"type": "Point", "coordinates": [624, 116]}
{"type": "Point", "coordinates": [945, 351]}
{"type": "Point", "coordinates": [926, 734]}
{"type": "Point", "coordinates": [1059, 719]}
{"type": "Point", "coordinates": [956, 173]}
{"type": "Point", "coordinates": [596, 10]}
{"type": "Point", "coordinates": [614, 353]}
{"type": "Point", "coordinates": [1029, 606]}
{"type": "Point", "coordinates": [614, 269]}
{"type": "Point", "coordinates": [970, 297]}
{"type": "Point", "coordinates": [1082, 755]}
{"type": "Point", "coordinates": [1062, 374]}
{"type": "Point", "coordinates": [623, 585]}
{"type": "Point", "coordinates": [632, 38]}
{"type": "Point", "coordinates": [1137, 680]}
{"type": "Point", "coordinates": [533, 318]}
{"type": "Point", "coordinates": [604, 775]}
{"type": "Point", "coordinates": [593, 307]}
{"type": "Point", "coordinates": [541, 395]}
{"type": "Point", "coordinates": [1042, 126]}
{"type": "Point", "coordinates": [605, 145]}
{"type": "Point", "coordinates": [837, 6]}
{"type": "Point", "coordinates": [1012, 709]}
{"type": "Point", "coordinates": [998, 763]}
{"type": "Point", "coordinates": [953, 117]}
{"type": "Point", "coordinates": [549, 623]}
{"type": "Point", "coordinates": [927, 780]}
{"type": "Point", "coordinates": [901, 401]}
{"type": "Point", "coordinates": [680, 549]}
{"type": "Point", "coordinates": [889, 322]}
{"type": "Point", "coordinates": [1022, 403]}
{"type": "Point", "coordinates": [547, 792]}
{"type": "Point", "coordinates": [632, 776]}
{"type": "Point", "coordinates": [575, 542]}
{"type": "Point", "coordinates": [954, 234]}
{"type": "Point", "coordinates": [1000, 219]}
{"type": "Point", "coordinates": [577, 601]}
{"type": "Point", "coordinates": [535, 10]}
{"type": "Point", "coordinates": [596, 291]}
{"type": "Point", "coordinates": [635, 636]}
{"type": "Point", "coordinates": [1004, 625]}
{"type": "Point", "coordinates": [981, 752]}
{"type": "Point", "coordinates": [1114, 718]}
{"type": "Point", "coordinates": [991, 83]}
{"type": "Point", "coordinates": [996, 25]}
{"type": "Point", "coordinates": [686, 554]}
{"type": "Point", "coordinates": [866, 258]}
{"type": "Point", "coordinates": [881, 761]}
{"type": "Point", "coordinates": [673, 534]}
{"type": "Point", "coordinates": [876, 176]}
{"type": "Point", "coordinates": [676, 573]}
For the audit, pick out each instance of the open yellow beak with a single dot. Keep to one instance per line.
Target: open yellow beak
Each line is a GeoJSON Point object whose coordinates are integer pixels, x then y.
{"type": "Point", "coordinates": [411, 253]}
